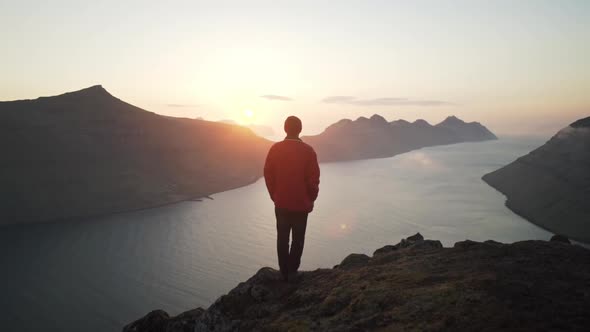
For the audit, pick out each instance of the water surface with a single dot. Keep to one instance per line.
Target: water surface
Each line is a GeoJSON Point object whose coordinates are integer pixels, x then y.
{"type": "Point", "coordinates": [101, 274]}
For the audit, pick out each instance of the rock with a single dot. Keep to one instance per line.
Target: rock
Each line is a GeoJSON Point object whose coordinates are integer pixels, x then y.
{"type": "Point", "coordinates": [384, 250]}
{"type": "Point", "coordinates": [267, 284]}
{"type": "Point", "coordinates": [466, 244]}
{"type": "Point", "coordinates": [472, 244]}
{"type": "Point", "coordinates": [474, 286]}
{"type": "Point", "coordinates": [258, 293]}
{"type": "Point", "coordinates": [415, 237]}
{"type": "Point", "coordinates": [415, 241]}
{"type": "Point", "coordinates": [160, 321]}
{"type": "Point", "coordinates": [338, 299]}
{"type": "Point", "coordinates": [266, 274]}
{"type": "Point", "coordinates": [354, 260]}
{"type": "Point", "coordinates": [560, 238]}
{"type": "Point", "coordinates": [213, 319]}
{"type": "Point", "coordinates": [404, 243]}
{"type": "Point", "coordinates": [184, 322]}
{"type": "Point", "coordinates": [155, 321]}
{"type": "Point", "coordinates": [426, 244]}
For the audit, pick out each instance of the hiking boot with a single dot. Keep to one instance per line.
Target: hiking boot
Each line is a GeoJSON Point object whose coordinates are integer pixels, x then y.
{"type": "Point", "coordinates": [284, 276]}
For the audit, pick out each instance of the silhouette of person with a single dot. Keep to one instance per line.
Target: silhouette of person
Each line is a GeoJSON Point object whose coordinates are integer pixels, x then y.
{"type": "Point", "coordinates": [292, 176]}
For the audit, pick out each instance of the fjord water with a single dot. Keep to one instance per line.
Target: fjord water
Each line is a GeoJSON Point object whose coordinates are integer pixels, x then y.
{"type": "Point", "coordinates": [100, 274]}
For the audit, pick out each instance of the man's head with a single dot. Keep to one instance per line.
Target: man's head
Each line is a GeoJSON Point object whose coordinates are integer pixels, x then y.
{"type": "Point", "coordinates": [293, 126]}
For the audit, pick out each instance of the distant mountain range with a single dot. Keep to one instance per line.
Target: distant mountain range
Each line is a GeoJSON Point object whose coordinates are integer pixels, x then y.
{"type": "Point", "coordinates": [376, 138]}
{"type": "Point", "coordinates": [551, 185]}
{"type": "Point", "coordinates": [87, 153]}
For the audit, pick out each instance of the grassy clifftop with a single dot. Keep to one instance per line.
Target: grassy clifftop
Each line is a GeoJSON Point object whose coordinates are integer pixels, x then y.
{"type": "Point", "coordinates": [416, 285]}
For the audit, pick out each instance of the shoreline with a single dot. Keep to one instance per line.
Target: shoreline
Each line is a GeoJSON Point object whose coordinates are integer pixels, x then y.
{"type": "Point", "coordinates": [87, 218]}
{"type": "Point", "coordinates": [206, 195]}
{"type": "Point", "coordinates": [579, 241]}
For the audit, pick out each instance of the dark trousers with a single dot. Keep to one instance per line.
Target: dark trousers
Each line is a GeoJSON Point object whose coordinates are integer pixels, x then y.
{"type": "Point", "coordinates": [287, 222]}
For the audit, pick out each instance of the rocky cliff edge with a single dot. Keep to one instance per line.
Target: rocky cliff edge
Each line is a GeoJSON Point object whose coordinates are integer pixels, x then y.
{"type": "Point", "coordinates": [415, 285]}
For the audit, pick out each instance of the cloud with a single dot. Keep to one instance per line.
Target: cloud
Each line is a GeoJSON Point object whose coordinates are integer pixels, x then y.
{"type": "Point", "coordinates": [386, 101]}
{"type": "Point", "coordinates": [339, 99]}
{"type": "Point", "coordinates": [275, 97]}
{"type": "Point", "coordinates": [182, 105]}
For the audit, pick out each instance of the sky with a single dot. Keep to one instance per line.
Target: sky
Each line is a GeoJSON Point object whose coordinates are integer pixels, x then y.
{"type": "Point", "coordinates": [518, 67]}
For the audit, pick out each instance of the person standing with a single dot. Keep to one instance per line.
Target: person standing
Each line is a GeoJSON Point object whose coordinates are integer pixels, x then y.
{"type": "Point", "coordinates": [292, 177]}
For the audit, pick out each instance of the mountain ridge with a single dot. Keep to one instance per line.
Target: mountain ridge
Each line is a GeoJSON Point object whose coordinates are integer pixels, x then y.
{"type": "Point", "coordinates": [88, 153]}
{"type": "Point", "coordinates": [374, 137]}
{"type": "Point", "coordinates": [550, 185]}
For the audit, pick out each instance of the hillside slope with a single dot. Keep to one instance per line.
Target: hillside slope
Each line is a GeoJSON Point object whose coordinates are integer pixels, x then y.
{"type": "Point", "coordinates": [86, 153]}
{"type": "Point", "coordinates": [551, 185]}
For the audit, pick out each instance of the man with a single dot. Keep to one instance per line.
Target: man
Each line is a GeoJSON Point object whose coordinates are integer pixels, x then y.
{"type": "Point", "coordinates": [292, 176]}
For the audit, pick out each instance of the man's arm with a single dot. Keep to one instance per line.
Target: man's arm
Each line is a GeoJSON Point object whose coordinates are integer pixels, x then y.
{"type": "Point", "coordinates": [269, 173]}
{"type": "Point", "coordinates": [313, 177]}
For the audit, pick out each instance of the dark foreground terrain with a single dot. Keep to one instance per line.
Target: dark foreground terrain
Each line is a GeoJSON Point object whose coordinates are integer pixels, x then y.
{"type": "Point", "coordinates": [416, 285]}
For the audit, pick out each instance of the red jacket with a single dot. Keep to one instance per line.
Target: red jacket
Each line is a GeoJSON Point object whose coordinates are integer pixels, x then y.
{"type": "Point", "coordinates": [292, 175]}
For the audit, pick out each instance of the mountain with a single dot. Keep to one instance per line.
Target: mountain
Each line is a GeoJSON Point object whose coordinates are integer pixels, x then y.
{"type": "Point", "coordinates": [467, 132]}
{"type": "Point", "coordinates": [88, 153]}
{"type": "Point", "coordinates": [416, 285]}
{"type": "Point", "coordinates": [260, 130]}
{"type": "Point", "coordinates": [551, 185]}
{"type": "Point", "coordinates": [376, 138]}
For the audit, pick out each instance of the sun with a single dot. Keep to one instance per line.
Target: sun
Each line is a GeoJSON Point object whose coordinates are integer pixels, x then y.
{"type": "Point", "coordinates": [247, 116]}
